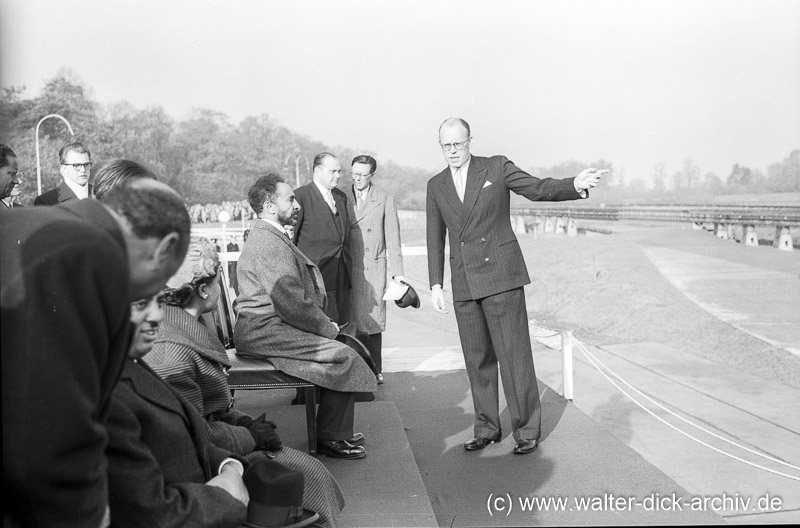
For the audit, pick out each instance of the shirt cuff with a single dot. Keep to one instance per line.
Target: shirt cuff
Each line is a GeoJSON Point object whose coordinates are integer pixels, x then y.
{"type": "Point", "coordinates": [238, 465]}
{"type": "Point", "coordinates": [581, 192]}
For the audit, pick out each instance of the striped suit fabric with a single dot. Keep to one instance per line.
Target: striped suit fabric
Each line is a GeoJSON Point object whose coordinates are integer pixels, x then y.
{"type": "Point", "coordinates": [488, 275]}
{"type": "Point", "coordinates": [192, 360]}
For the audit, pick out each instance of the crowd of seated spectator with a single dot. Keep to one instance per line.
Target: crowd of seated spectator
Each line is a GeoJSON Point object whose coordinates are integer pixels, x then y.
{"type": "Point", "coordinates": [93, 435]}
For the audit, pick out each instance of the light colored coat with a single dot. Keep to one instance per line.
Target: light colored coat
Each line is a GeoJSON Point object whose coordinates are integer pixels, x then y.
{"type": "Point", "coordinates": [280, 315]}
{"type": "Point", "coordinates": [375, 249]}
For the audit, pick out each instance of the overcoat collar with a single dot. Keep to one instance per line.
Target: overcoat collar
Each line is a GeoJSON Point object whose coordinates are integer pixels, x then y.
{"type": "Point", "coordinates": [272, 230]}
{"type": "Point", "coordinates": [372, 201]}
{"type": "Point", "coordinates": [182, 328]}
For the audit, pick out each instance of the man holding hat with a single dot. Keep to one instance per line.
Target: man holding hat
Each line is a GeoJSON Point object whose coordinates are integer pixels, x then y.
{"type": "Point", "coordinates": [376, 252]}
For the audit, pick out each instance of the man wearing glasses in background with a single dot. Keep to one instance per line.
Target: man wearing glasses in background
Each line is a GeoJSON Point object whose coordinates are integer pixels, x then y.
{"type": "Point", "coordinates": [76, 167]}
{"type": "Point", "coordinates": [469, 200]}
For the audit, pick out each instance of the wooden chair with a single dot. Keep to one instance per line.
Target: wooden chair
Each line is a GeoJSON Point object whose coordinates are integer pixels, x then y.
{"type": "Point", "coordinates": [257, 374]}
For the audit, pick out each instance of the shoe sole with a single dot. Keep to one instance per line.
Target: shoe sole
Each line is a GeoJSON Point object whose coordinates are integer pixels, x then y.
{"type": "Point", "coordinates": [342, 457]}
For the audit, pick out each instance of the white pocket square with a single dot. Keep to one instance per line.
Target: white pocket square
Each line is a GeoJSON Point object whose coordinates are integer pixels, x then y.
{"type": "Point", "coordinates": [488, 183]}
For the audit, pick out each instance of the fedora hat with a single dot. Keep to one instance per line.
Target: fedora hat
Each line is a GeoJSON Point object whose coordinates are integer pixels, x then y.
{"type": "Point", "coordinates": [360, 349]}
{"type": "Point", "coordinates": [276, 497]}
{"type": "Point", "coordinates": [409, 298]}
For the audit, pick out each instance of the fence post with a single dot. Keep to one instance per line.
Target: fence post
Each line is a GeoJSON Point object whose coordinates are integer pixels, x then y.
{"type": "Point", "coordinates": [566, 362]}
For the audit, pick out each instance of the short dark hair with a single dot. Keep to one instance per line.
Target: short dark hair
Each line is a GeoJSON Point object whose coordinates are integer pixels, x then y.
{"type": "Point", "coordinates": [117, 171]}
{"type": "Point", "coordinates": [264, 190]}
{"type": "Point", "coordinates": [5, 153]}
{"type": "Point", "coordinates": [451, 120]}
{"type": "Point", "coordinates": [75, 146]}
{"type": "Point", "coordinates": [319, 159]}
{"type": "Point", "coordinates": [367, 160]}
{"type": "Point", "coordinates": [152, 209]}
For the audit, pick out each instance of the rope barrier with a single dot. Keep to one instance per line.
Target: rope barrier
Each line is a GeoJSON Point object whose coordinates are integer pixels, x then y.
{"type": "Point", "coordinates": [594, 361]}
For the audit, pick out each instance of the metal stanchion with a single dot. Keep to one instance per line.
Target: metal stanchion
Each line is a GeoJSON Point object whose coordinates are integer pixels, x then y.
{"type": "Point", "coordinates": [566, 363]}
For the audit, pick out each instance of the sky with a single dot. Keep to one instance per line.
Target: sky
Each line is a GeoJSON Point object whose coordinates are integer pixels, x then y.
{"type": "Point", "coordinates": [633, 82]}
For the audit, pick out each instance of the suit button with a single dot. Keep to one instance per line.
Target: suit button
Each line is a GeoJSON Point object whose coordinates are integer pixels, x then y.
{"type": "Point", "coordinates": [462, 244]}
{"type": "Point", "coordinates": [486, 259]}
{"type": "Point", "coordinates": [367, 250]}
{"type": "Point", "coordinates": [369, 230]}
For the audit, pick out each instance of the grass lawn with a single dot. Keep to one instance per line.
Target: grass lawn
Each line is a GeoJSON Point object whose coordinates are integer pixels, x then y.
{"type": "Point", "coordinates": [606, 290]}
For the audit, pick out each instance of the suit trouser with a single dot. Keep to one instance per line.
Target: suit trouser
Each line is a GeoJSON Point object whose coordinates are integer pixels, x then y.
{"type": "Point", "coordinates": [494, 330]}
{"type": "Point", "coordinates": [374, 344]}
{"type": "Point", "coordinates": [337, 306]}
{"type": "Point", "coordinates": [335, 415]}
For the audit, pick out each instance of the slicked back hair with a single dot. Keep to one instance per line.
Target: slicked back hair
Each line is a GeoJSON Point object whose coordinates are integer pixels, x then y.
{"type": "Point", "coordinates": [453, 120]}
{"type": "Point", "coordinates": [75, 146]}
{"type": "Point", "coordinates": [264, 190]}
{"type": "Point", "coordinates": [117, 171]}
{"type": "Point", "coordinates": [152, 209]}
{"type": "Point", "coordinates": [5, 153]}
{"type": "Point", "coordinates": [367, 160]}
{"type": "Point", "coordinates": [320, 158]}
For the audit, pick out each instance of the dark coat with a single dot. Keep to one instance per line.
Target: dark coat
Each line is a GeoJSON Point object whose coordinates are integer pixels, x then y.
{"type": "Point", "coordinates": [316, 234]}
{"type": "Point", "coordinates": [193, 361]}
{"type": "Point", "coordinates": [65, 334]}
{"type": "Point", "coordinates": [159, 459]}
{"type": "Point", "coordinates": [58, 195]}
{"type": "Point", "coordinates": [280, 315]}
{"type": "Point", "coordinates": [485, 257]}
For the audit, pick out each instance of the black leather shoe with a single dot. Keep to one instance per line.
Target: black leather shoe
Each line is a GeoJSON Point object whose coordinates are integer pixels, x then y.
{"type": "Point", "coordinates": [479, 442]}
{"type": "Point", "coordinates": [523, 447]}
{"type": "Point", "coordinates": [341, 449]}
{"type": "Point", "coordinates": [358, 439]}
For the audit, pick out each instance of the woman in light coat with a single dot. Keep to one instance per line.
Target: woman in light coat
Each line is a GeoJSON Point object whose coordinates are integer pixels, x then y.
{"type": "Point", "coordinates": [189, 357]}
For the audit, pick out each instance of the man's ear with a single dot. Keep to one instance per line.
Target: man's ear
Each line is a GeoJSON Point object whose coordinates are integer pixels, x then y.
{"type": "Point", "coordinates": [167, 249]}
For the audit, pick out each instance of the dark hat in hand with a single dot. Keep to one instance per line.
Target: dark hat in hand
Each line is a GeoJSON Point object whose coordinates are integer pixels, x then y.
{"type": "Point", "coordinates": [276, 497]}
{"type": "Point", "coordinates": [409, 298]}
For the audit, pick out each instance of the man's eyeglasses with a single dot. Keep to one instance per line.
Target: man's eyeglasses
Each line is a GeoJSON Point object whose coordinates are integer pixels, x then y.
{"type": "Point", "coordinates": [357, 175]}
{"type": "Point", "coordinates": [17, 175]}
{"type": "Point", "coordinates": [79, 166]}
{"type": "Point", "coordinates": [459, 146]}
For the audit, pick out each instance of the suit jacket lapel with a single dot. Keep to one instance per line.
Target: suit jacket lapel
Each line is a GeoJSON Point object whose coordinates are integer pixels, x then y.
{"type": "Point", "coordinates": [371, 202]}
{"type": "Point", "coordinates": [475, 179]}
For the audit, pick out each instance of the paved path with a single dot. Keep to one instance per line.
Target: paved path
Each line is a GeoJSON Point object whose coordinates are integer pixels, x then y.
{"type": "Point", "coordinates": [760, 296]}
{"type": "Point", "coordinates": [755, 291]}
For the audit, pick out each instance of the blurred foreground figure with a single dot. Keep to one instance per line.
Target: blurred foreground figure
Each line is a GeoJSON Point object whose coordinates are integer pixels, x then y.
{"type": "Point", "coordinates": [10, 177]}
{"type": "Point", "coordinates": [67, 275]}
{"type": "Point", "coordinates": [469, 202]}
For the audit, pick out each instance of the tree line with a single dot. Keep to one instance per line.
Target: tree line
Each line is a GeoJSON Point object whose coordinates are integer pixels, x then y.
{"type": "Point", "coordinates": [208, 159]}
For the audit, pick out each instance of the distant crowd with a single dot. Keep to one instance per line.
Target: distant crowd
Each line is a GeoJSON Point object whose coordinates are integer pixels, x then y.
{"type": "Point", "coordinates": [208, 213]}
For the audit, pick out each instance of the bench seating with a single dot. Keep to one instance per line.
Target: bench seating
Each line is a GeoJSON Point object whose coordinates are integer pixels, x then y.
{"type": "Point", "coordinates": [257, 374]}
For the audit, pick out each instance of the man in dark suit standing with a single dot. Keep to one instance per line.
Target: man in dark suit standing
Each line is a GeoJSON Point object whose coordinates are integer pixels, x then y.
{"type": "Point", "coordinates": [469, 200]}
{"type": "Point", "coordinates": [67, 275]}
{"type": "Point", "coordinates": [322, 232]}
{"type": "Point", "coordinates": [75, 168]}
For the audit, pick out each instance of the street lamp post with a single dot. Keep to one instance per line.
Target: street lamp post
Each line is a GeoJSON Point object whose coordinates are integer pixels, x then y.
{"type": "Point", "coordinates": [297, 159]}
{"type": "Point", "coordinates": [38, 164]}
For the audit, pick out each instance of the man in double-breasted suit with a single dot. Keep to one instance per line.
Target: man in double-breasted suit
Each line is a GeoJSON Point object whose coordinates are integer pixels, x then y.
{"type": "Point", "coordinates": [75, 167]}
{"type": "Point", "coordinates": [469, 201]}
{"type": "Point", "coordinates": [375, 249]}
{"type": "Point", "coordinates": [322, 232]}
{"type": "Point", "coordinates": [281, 316]}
